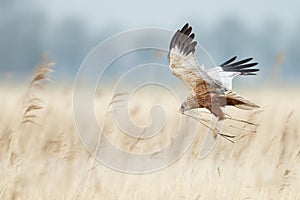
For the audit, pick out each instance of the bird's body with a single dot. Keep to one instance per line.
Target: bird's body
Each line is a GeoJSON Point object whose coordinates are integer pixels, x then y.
{"type": "Point", "coordinates": [210, 89]}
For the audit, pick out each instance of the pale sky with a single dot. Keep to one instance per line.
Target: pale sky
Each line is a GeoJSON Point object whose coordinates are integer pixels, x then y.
{"type": "Point", "coordinates": [167, 13]}
{"type": "Point", "coordinates": [113, 16]}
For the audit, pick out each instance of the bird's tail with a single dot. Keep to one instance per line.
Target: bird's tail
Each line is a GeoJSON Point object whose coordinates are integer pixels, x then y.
{"type": "Point", "coordinates": [233, 99]}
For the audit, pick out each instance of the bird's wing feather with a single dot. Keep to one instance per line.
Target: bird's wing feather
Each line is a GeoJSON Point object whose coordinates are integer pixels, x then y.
{"type": "Point", "coordinates": [182, 59]}
{"type": "Point", "coordinates": [184, 67]}
{"type": "Point", "coordinates": [222, 77]}
{"type": "Point", "coordinates": [242, 66]}
{"type": "Point", "coordinates": [233, 99]}
{"type": "Point", "coordinates": [225, 73]}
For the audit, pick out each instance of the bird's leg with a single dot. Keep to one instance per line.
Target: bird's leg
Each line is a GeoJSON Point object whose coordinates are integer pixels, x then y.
{"type": "Point", "coordinates": [225, 136]}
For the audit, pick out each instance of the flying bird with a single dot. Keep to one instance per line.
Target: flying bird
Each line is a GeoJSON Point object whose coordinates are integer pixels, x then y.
{"type": "Point", "coordinates": [209, 88]}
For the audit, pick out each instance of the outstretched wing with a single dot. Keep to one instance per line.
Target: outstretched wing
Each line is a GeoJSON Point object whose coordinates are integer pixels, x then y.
{"type": "Point", "coordinates": [242, 66]}
{"type": "Point", "coordinates": [225, 73]}
{"type": "Point", "coordinates": [182, 59]}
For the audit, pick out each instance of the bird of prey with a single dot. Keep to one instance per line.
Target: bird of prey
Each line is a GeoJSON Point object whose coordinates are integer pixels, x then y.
{"type": "Point", "coordinates": [210, 88]}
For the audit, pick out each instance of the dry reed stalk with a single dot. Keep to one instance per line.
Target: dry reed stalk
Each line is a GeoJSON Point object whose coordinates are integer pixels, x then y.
{"type": "Point", "coordinates": [279, 60]}
{"type": "Point", "coordinates": [3, 190]}
{"type": "Point", "coordinates": [255, 126]}
{"type": "Point", "coordinates": [93, 154]}
{"type": "Point", "coordinates": [284, 138]}
{"type": "Point", "coordinates": [41, 75]}
{"type": "Point", "coordinates": [287, 179]}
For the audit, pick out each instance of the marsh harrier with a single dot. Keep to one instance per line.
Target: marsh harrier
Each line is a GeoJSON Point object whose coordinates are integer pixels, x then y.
{"type": "Point", "coordinates": [212, 88]}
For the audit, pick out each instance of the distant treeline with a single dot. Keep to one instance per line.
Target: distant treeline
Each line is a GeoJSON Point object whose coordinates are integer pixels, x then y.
{"type": "Point", "coordinates": [26, 34]}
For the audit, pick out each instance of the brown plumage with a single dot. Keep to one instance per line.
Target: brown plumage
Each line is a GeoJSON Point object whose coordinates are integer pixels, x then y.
{"type": "Point", "coordinates": [210, 89]}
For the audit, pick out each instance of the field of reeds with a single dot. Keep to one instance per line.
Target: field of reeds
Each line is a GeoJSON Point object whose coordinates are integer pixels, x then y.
{"type": "Point", "coordinates": [42, 156]}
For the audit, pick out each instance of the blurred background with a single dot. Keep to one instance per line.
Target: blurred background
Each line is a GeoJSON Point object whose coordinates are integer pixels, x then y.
{"type": "Point", "coordinates": [66, 31]}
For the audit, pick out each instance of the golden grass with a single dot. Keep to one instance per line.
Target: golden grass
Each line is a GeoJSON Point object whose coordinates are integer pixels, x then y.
{"type": "Point", "coordinates": [49, 162]}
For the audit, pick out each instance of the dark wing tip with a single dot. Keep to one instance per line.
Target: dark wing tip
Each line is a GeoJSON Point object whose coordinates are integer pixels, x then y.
{"type": "Point", "coordinates": [183, 39]}
{"type": "Point", "coordinates": [249, 73]}
{"type": "Point", "coordinates": [228, 61]}
{"type": "Point", "coordinates": [192, 36]}
{"type": "Point", "coordinates": [240, 66]}
{"type": "Point", "coordinates": [185, 27]}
